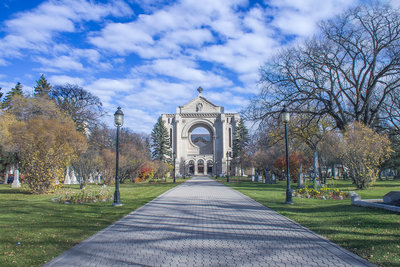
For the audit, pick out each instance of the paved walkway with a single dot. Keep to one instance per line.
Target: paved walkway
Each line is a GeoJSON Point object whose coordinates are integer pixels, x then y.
{"type": "Point", "coordinates": [203, 223]}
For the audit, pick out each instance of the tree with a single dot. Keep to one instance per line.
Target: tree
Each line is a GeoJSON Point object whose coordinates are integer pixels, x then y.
{"type": "Point", "coordinates": [107, 166]}
{"type": "Point", "coordinates": [161, 169]}
{"type": "Point", "coordinates": [42, 87]}
{"type": "Point", "coordinates": [134, 154]}
{"type": "Point", "coordinates": [363, 151]}
{"type": "Point", "coordinates": [46, 146]}
{"type": "Point", "coordinates": [86, 166]}
{"type": "Point", "coordinates": [8, 152]}
{"type": "Point", "coordinates": [17, 90]}
{"type": "Point", "coordinates": [349, 71]}
{"type": "Point", "coordinates": [43, 139]}
{"type": "Point", "coordinates": [160, 142]}
{"type": "Point", "coordinates": [21, 109]}
{"type": "Point", "coordinates": [240, 143]}
{"type": "Point", "coordinates": [83, 107]}
{"type": "Point", "coordinates": [310, 130]}
{"type": "Point", "coordinates": [329, 152]}
{"type": "Point", "coordinates": [298, 163]}
{"type": "Point", "coordinates": [394, 161]}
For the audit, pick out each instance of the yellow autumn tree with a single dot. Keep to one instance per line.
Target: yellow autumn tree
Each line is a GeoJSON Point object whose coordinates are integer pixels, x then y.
{"type": "Point", "coordinates": [46, 148]}
{"type": "Point", "coordinates": [362, 151]}
{"type": "Point", "coordinates": [44, 138]}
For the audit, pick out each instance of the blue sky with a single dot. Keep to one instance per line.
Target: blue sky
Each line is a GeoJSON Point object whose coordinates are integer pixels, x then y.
{"type": "Point", "coordinates": [150, 56]}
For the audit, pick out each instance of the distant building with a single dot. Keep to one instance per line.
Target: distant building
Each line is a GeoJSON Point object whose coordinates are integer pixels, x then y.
{"type": "Point", "coordinates": [201, 134]}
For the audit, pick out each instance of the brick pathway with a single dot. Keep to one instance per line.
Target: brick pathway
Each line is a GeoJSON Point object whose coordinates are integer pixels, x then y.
{"type": "Point", "coordinates": [203, 223]}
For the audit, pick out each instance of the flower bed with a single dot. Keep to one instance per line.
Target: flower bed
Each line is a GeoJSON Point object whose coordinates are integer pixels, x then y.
{"type": "Point", "coordinates": [322, 193]}
{"type": "Point", "coordinates": [70, 196]}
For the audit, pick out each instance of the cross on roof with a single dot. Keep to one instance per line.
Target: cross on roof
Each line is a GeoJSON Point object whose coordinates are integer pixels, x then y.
{"type": "Point", "coordinates": [200, 90]}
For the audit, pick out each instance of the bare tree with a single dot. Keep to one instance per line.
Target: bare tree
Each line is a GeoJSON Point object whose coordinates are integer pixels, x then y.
{"type": "Point", "coordinates": [349, 71]}
{"type": "Point", "coordinates": [84, 107]}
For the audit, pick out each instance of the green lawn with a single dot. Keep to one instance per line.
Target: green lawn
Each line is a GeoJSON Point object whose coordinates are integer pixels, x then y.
{"type": "Point", "coordinates": [46, 229]}
{"type": "Point", "coordinates": [373, 234]}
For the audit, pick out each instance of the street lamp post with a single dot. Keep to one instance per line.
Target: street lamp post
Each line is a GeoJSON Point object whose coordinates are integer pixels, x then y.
{"type": "Point", "coordinates": [118, 121]}
{"type": "Point", "coordinates": [173, 154]}
{"type": "Point", "coordinates": [285, 116]}
{"type": "Point", "coordinates": [216, 170]}
{"type": "Point", "coordinates": [184, 170]}
{"type": "Point", "coordinates": [227, 165]}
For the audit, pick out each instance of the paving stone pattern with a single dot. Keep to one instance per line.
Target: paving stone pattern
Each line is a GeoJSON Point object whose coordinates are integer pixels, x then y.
{"type": "Point", "coordinates": [204, 223]}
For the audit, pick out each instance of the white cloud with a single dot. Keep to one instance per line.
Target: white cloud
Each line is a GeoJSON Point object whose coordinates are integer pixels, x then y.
{"type": "Point", "coordinates": [182, 69]}
{"type": "Point", "coordinates": [301, 17]}
{"type": "Point", "coordinates": [395, 3]}
{"type": "Point", "coordinates": [109, 90]}
{"type": "Point", "coordinates": [157, 95]}
{"type": "Point", "coordinates": [139, 120]}
{"type": "Point", "coordinates": [37, 28]}
{"type": "Point", "coordinates": [59, 64]}
{"type": "Point", "coordinates": [122, 38]}
{"type": "Point", "coordinates": [152, 62]}
{"type": "Point", "coordinates": [64, 79]}
{"type": "Point", "coordinates": [3, 62]}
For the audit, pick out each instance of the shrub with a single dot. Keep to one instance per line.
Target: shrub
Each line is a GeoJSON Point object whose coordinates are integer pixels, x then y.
{"type": "Point", "coordinates": [145, 173]}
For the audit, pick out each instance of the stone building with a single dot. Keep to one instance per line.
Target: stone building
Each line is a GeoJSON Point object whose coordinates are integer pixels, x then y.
{"type": "Point", "coordinates": [201, 137]}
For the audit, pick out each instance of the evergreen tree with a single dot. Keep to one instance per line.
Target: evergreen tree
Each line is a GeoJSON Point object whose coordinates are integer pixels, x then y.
{"type": "Point", "coordinates": [17, 90]}
{"type": "Point", "coordinates": [1, 94]}
{"type": "Point", "coordinates": [42, 87]}
{"type": "Point", "coordinates": [240, 142]}
{"type": "Point", "coordinates": [160, 142]}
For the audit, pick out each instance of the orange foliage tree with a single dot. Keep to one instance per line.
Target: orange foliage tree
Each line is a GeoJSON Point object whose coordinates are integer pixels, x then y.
{"type": "Point", "coordinates": [145, 172]}
{"type": "Point", "coordinates": [298, 162]}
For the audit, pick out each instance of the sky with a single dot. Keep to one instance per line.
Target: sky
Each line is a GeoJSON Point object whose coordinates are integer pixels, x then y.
{"type": "Point", "coordinates": [150, 56]}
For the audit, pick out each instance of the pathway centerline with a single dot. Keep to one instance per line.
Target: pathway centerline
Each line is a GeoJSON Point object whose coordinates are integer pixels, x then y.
{"type": "Point", "coordinates": [204, 223]}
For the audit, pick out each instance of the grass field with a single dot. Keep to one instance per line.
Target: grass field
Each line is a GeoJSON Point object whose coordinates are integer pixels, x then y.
{"type": "Point", "coordinates": [45, 229]}
{"type": "Point", "coordinates": [373, 234]}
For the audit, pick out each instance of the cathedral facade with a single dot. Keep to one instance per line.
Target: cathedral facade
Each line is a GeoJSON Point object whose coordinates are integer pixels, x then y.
{"type": "Point", "coordinates": [201, 137]}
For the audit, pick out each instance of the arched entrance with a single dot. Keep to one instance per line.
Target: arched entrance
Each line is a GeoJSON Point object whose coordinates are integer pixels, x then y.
{"type": "Point", "coordinates": [209, 167]}
{"type": "Point", "coordinates": [191, 167]}
{"type": "Point", "coordinates": [200, 166]}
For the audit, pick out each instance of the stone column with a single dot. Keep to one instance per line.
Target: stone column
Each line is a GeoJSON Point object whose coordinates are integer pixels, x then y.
{"type": "Point", "coordinates": [214, 156]}
{"type": "Point", "coordinates": [67, 177]}
{"type": "Point", "coordinates": [16, 183]}
{"type": "Point", "coordinates": [73, 178]}
{"type": "Point", "coordinates": [6, 175]}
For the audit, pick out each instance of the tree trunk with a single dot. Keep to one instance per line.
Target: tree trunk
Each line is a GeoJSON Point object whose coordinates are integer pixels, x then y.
{"type": "Point", "coordinates": [316, 167]}
{"type": "Point", "coordinates": [334, 171]}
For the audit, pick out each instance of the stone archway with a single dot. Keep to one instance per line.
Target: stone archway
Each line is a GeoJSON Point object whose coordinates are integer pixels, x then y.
{"type": "Point", "coordinates": [200, 166]}
{"type": "Point", "coordinates": [200, 138]}
{"type": "Point", "coordinates": [191, 167]}
{"type": "Point", "coordinates": [210, 166]}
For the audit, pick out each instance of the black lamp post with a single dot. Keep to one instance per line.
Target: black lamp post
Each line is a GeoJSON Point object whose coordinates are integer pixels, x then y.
{"type": "Point", "coordinates": [184, 170]}
{"type": "Point", "coordinates": [216, 170]}
{"type": "Point", "coordinates": [118, 121]}
{"type": "Point", "coordinates": [173, 154]}
{"type": "Point", "coordinates": [285, 116]}
{"type": "Point", "coordinates": [227, 165]}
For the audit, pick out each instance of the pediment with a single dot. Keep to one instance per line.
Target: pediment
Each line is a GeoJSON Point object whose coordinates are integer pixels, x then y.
{"type": "Point", "coordinates": [200, 105]}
